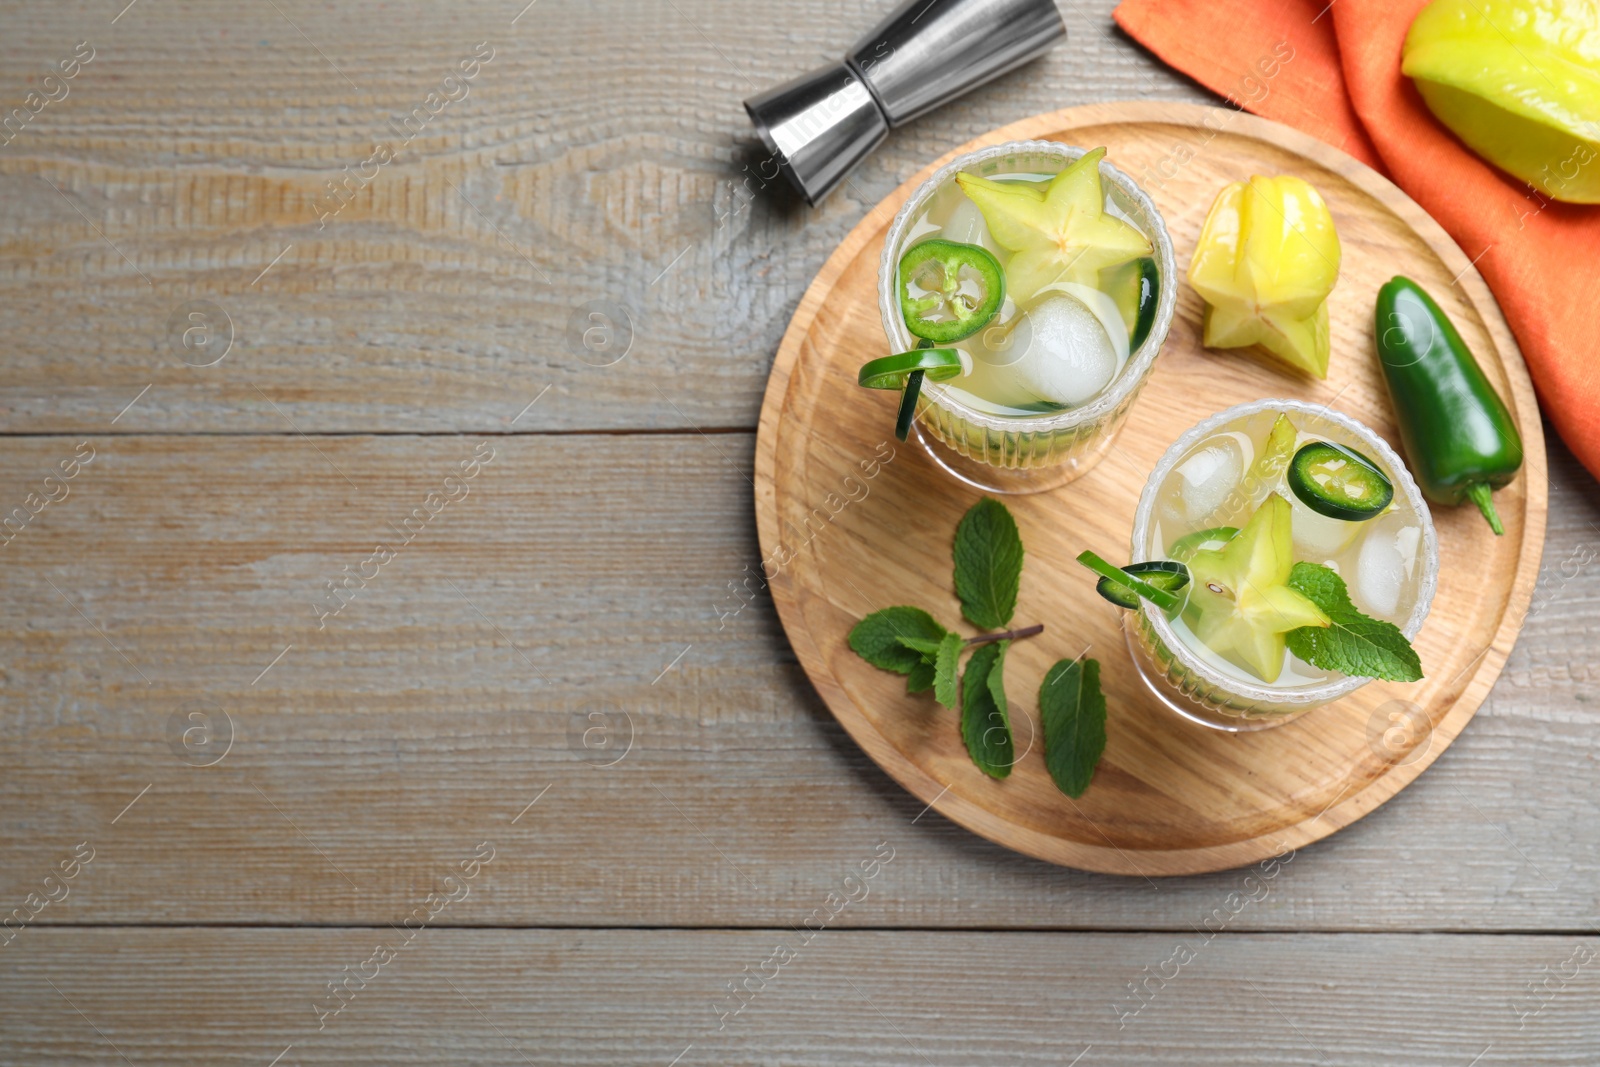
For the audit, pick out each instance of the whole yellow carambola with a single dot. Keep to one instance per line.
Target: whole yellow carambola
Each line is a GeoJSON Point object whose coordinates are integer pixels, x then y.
{"type": "Point", "coordinates": [1519, 82]}
{"type": "Point", "coordinates": [1267, 259]}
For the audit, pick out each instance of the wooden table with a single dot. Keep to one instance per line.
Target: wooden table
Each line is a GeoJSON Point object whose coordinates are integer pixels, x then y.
{"type": "Point", "coordinates": [548, 785]}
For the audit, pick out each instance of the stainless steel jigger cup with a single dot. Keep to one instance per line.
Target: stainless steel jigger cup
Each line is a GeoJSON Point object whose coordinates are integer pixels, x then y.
{"type": "Point", "coordinates": [926, 53]}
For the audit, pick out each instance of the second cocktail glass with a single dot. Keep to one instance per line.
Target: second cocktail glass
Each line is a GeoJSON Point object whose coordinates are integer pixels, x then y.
{"type": "Point", "coordinates": [1211, 481]}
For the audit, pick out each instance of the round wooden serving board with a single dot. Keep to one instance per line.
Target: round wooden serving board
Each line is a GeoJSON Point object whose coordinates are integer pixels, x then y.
{"type": "Point", "coordinates": [848, 533]}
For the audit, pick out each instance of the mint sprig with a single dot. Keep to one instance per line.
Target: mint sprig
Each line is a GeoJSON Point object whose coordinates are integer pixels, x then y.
{"type": "Point", "coordinates": [988, 578]}
{"type": "Point", "coordinates": [985, 722]}
{"type": "Point", "coordinates": [988, 555]}
{"type": "Point", "coordinates": [1072, 717]}
{"type": "Point", "coordinates": [1355, 644]}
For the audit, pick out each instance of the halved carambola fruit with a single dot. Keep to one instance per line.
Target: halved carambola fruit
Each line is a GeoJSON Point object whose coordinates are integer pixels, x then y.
{"type": "Point", "coordinates": [1240, 602]}
{"type": "Point", "coordinates": [1519, 82]}
{"type": "Point", "coordinates": [1267, 258]}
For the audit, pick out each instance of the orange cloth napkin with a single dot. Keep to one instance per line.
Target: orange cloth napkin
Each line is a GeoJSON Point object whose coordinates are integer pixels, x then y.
{"type": "Point", "coordinates": [1343, 84]}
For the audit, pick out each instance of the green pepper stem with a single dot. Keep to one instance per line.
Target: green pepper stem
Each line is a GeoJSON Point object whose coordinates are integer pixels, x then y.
{"type": "Point", "coordinates": [1479, 494]}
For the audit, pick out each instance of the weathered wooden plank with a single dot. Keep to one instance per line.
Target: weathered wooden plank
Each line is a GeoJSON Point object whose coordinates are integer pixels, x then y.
{"type": "Point", "coordinates": [367, 756]}
{"type": "Point", "coordinates": [656, 997]}
{"type": "Point", "coordinates": [600, 154]}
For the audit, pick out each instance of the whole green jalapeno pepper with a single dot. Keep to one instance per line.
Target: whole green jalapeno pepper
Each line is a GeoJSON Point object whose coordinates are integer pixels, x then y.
{"type": "Point", "coordinates": [1458, 435]}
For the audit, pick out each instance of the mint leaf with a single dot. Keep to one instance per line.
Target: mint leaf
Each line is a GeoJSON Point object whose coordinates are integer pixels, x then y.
{"type": "Point", "coordinates": [1072, 715]}
{"type": "Point", "coordinates": [988, 554]}
{"type": "Point", "coordinates": [1356, 644]}
{"type": "Point", "coordinates": [946, 662]}
{"type": "Point", "coordinates": [937, 667]}
{"type": "Point", "coordinates": [926, 647]}
{"type": "Point", "coordinates": [985, 726]}
{"type": "Point", "coordinates": [997, 687]}
{"type": "Point", "coordinates": [877, 638]}
{"type": "Point", "coordinates": [922, 677]}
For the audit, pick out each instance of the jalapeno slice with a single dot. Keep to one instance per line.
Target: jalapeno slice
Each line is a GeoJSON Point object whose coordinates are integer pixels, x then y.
{"type": "Point", "coordinates": [908, 405]}
{"type": "Point", "coordinates": [891, 372]}
{"type": "Point", "coordinates": [905, 371]}
{"type": "Point", "coordinates": [1167, 575]}
{"type": "Point", "coordinates": [949, 290]}
{"type": "Point", "coordinates": [1339, 482]}
{"type": "Point", "coordinates": [1139, 580]}
{"type": "Point", "coordinates": [1149, 297]}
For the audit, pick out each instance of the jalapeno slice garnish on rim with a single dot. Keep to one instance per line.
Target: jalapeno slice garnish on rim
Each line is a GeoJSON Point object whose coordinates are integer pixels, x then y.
{"type": "Point", "coordinates": [1127, 579]}
{"type": "Point", "coordinates": [1339, 482]}
{"type": "Point", "coordinates": [908, 405]}
{"type": "Point", "coordinates": [891, 372]}
{"type": "Point", "coordinates": [905, 371]}
{"type": "Point", "coordinates": [1167, 575]}
{"type": "Point", "coordinates": [949, 290]}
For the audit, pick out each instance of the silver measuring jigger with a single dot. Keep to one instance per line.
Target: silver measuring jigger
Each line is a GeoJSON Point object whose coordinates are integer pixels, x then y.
{"type": "Point", "coordinates": [926, 53]}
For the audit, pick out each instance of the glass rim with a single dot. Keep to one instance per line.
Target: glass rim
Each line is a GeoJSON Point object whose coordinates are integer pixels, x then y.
{"type": "Point", "coordinates": [1405, 486]}
{"type": "Point", "coordinates": [1139, 363]}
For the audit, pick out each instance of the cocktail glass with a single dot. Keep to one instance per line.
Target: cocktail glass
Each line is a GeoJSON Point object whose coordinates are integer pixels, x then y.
{"type": "Point", "coordinates": [979, 443]}
{"type": "Point", "coordinates": [1389, 563]}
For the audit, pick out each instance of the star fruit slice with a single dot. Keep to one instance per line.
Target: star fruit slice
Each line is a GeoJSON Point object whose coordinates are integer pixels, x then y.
{"type": "Point", "coordinates": [1240, 601]}
{"type": "Point", "coordinates": [1058, 233]}
{"type": "Point", "coordinates": [1275, 456]}
{"type": "Point", "coordinates": [1267, 258]}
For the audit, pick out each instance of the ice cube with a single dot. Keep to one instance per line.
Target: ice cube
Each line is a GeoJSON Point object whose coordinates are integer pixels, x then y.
{"type": "Point", "coordinates": [1318, 538]}
{"type": "Point", "coordinates": [967, 226]}
{"type": "Point", "coordinates": [1207, 477]}
{"type": "Point", "coordinates": [1379, 572]}
{"type": "Point", "coordinates": [1062, 353]}
{"type": "Point", "coordinates": [1385, 563]}
{"type": "Point", "coordinates": [1407, 541]}
{"type": "Point", "coordinates": [1104, 308]}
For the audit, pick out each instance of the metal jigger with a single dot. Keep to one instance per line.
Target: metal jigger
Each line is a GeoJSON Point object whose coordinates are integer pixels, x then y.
{"type": "Point", "coordinates": [927, 53]}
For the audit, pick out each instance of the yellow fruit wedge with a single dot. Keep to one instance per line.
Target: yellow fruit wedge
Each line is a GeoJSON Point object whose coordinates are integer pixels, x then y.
{"type": "Point", "coordinates": [1519, 82]}
{"type": "Point", "coordinates": [1058, 233]}
{"type": "Point", "coordinates": [1275, 456]}
{"type": "Point", "coordinates": [1240, 602]}
{"type": "Point", "coordinates": [1267, 258]}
